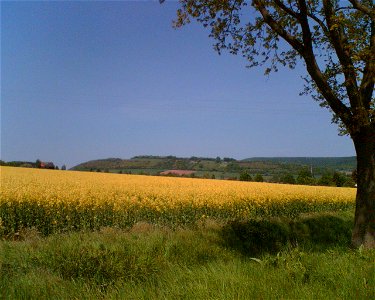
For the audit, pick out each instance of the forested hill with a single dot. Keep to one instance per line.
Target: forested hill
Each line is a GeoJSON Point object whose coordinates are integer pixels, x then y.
{"type": "Point", "coordinates": [155, 162]}
{"type": "Point", "coordinates": [263, 165]}
{"type": "Point", "coordinates": [336, 163]}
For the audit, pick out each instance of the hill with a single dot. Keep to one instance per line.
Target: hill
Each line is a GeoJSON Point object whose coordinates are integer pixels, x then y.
{"type": "Point", "coordinates": [222, 167]}
{"type": "Point", "coordinates": [335, 163]}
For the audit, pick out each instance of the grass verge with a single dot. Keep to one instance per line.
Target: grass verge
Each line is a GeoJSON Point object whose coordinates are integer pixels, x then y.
{"type": "Point", "coordinates": [306, 258]}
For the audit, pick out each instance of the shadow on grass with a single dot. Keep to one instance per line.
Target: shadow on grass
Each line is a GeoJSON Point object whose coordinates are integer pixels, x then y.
{"type": "Point", "coordinates": [256, 237]}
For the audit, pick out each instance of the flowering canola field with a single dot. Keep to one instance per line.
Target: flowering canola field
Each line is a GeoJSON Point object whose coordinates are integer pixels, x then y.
{"type": "Point", "coordinates": [59, 201]}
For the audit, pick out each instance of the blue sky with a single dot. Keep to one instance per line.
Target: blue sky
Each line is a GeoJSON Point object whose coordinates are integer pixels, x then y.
{"type": "Point", "coordinates": [89, 80]}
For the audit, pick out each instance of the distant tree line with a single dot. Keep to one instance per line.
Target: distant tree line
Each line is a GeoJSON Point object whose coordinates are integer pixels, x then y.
{"type": "Point", "coordinates": [303, 177]}
{"type": "Point", "coordinates": [37, 164]}
{"type": "Point", "coordinates": [194, 158]}
{"type": "Point", "coordinates": [329, 178]}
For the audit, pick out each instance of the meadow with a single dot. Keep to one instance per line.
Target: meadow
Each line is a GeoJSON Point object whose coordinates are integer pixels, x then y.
{"type": "Point", "coordinates": [82, 235]}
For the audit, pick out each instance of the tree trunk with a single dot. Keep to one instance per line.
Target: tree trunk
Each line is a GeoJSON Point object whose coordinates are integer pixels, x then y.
{"type": "Point", "coordinates": [364, 220]}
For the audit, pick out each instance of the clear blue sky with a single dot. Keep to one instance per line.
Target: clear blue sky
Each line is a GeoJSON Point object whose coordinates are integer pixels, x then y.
{"type": "Point", "coordinates": [89, 80]}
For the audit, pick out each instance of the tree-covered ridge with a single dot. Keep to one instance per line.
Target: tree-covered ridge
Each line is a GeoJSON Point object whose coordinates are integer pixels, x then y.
{"type": "Point", "coordinates": [263, 165]}
{"type": "Point", "coordinates": [338, 163]}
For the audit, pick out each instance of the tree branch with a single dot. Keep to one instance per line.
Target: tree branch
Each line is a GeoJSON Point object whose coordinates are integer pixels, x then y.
{"type": "Point", "coordinates": [342, 49]}
{"type": "Point", "coordinates": [363, 8]}
{"type": "Point", "coordinates": [312, 67]}
{"type": "Point", "coordinates": [288, 10]}
{"type": "Point", "coordinates": [277, 27]}
{"type": "Point", "coordinates": [320, 22]}
{"type": "Point", "coordinates": [305, 49]}
{"type": "Point", "coordinates": [368, 81]}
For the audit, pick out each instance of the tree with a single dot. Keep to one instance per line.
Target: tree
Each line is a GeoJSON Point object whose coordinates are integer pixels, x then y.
{"type": "Point", "coordinates": [287, 178]}
{"type": "Point", "coordinates": [258, 178]}
{"type": "Point", "coordinates": [63, 167]}
{"type": "Point", "coordinates": [349, 182]}
{"type": "Point", "coordinates": [326, 179]}
{"type": "Point", "coordinates": [335, 40]}
{"type": "Point", "coordinates": [339, 179]}
{"type": "Point", "coordinates": [245, 176]}
{"type": "Point", "coordinates": [305, 177]}
{"type": "Point", "coordinates": [38, 163]}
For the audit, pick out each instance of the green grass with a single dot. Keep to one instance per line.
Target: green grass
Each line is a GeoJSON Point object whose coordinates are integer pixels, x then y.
{"type": "Point", "coordinates": [305, 258]}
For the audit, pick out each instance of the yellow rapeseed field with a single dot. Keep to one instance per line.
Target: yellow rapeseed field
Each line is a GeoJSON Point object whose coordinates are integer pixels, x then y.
{"type": "Point", "coordinates": [55, 201]}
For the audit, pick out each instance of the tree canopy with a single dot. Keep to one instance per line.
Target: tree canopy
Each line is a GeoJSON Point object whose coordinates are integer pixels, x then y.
{"type": "Point", "coordinates": [334, 39]}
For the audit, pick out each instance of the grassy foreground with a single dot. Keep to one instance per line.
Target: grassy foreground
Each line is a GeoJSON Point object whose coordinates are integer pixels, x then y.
{"type": "Point", "coordinates": [304, 258]}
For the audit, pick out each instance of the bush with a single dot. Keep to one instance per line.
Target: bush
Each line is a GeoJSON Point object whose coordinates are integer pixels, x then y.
{"type": "Point", "coordinates": [245, 176]}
